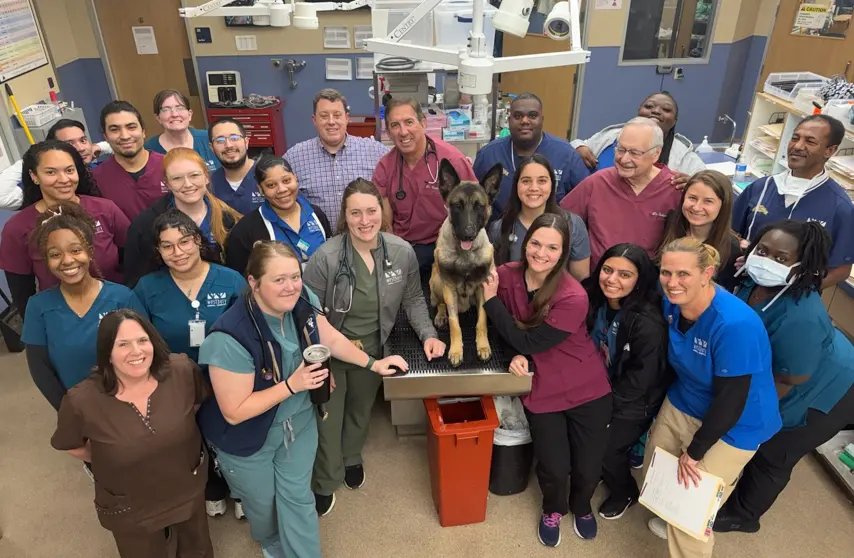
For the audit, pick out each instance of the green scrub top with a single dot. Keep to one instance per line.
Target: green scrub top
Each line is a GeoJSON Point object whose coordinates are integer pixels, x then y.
{"type": "Point", "coordinates": [805, 343]}
{"type": "Point", "coordinates": [363, 320]}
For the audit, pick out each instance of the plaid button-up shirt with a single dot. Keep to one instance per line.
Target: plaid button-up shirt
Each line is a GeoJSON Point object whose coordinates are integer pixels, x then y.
{"type": "Point", "coordinates": [322, 176]}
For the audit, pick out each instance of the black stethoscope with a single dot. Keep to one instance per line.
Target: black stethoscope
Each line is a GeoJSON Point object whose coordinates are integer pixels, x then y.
{"type": "Point", "coordinates": [345, 272]}
{"type": "Point", "coordinates": [400, 195]}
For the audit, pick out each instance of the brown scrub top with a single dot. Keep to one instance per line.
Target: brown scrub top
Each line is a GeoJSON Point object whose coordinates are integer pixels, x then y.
{"type": "Point", "coordinates": [149, 471]}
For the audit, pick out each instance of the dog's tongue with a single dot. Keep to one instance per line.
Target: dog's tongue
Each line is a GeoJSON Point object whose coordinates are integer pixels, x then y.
{"type": "Point", "coordinates": [466, 244]}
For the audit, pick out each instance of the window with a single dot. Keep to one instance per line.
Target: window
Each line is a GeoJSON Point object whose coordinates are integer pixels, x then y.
{"type": "Point", "coordinates": [662, 30]}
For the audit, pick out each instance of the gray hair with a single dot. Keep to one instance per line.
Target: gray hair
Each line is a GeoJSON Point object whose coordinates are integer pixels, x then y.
{"type": "Point", "coordinates": [657, 134]}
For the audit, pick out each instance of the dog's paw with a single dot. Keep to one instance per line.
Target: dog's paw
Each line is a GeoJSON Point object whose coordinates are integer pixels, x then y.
{"type": "Point", "coordinates": [441, 320]}
{"type": "Point", "coordinates": [455, 356]}
{"type": "Point", "coordinates": [484, 352]}
{"type": "Point", "coordinates": [358, 344]}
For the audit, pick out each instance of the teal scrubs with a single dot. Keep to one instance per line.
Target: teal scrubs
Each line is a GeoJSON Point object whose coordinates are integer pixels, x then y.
{"type": "Point", "coordinates": [71, 340]}
{"type": "Point", "coordinates": [805, 343]}
{"type": "Point", "coordinates": [201, 145]}
{"type": "Point", "coordinates": [275, 482]}
{"type": "Point", "coordinates": [171, 311]}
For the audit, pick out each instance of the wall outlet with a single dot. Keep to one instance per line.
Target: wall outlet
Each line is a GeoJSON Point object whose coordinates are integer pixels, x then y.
{"type": "Point", "coordinates": [678, 73]}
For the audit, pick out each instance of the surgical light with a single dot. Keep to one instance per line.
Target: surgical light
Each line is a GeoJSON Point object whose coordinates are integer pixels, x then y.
{"type": "Point", "coordinates": [557, 24]}
{"type": "Point", "coordinates": [512, 17]}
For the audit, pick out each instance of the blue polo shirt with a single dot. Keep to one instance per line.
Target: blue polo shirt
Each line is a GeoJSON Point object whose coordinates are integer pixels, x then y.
{"type": "Point", "coordinates": [245, 199]}
{"type": "Point", "coordinates": [171, 311]}
{"type": "Point", "coordinates": [568, 166]}
{"type": "Point", "coordinates": [201, 145]}
{"type": "Point", "coordinates": [805, 343]}
{"type": "Point", "coordinates": [71, 340]}
{"type": "Point", "coordinates": [727, 340]}
{"type": "Point", "coordinates": [828, 204]}
{"type": "Point", "coordinates": [304, 241]}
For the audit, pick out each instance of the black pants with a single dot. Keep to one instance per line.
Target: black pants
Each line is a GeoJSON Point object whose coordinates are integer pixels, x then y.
{"type": "Point", "coordinates": [216, 489]}
{"type": "Point", "coordinates": [573, 439]}
{"type": "Point", "coordinates": [768, 473]}
{"type": "Point", "coordinates": [623, 434]}
{"type": "Point", "coordinates": [424, 255]}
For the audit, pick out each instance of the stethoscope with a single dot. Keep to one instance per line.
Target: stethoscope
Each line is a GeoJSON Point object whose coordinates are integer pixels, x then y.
{"type": "Point", "coordinates": [400, 195]}
{"type": "Point", "coordinates": [513, 155]}
{"type": "Point", "coordinates": [345, 273]}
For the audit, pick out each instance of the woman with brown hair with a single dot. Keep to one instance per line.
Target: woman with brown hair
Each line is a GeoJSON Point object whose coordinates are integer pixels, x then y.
{"type": "Point", "coordinates": [134, 420]}
{"type": "Point", "coordinates": [172, 110]}
{"type": "Point", "coordinates": [188, 180]}
{"type": "Point", "coordinates": [540, 310]}
{"type": "Point", "coordinates": [705, 214]}
{"type": "Point", "coordinates": [362, 277]}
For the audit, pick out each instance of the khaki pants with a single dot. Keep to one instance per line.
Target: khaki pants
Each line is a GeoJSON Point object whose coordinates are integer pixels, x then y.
{"type": "Point", "coordinates": [673, 431]}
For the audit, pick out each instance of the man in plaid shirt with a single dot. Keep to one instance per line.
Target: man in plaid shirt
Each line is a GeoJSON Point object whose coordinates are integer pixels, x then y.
{"type": "Point", "coordinates": [325, 165]}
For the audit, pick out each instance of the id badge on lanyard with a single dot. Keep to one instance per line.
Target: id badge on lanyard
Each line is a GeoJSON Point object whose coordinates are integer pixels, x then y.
{"type": "Point", "coordinates": [197, 327]}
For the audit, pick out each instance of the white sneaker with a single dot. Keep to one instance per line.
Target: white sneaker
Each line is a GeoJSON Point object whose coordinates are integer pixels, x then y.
{"type": "Point", "coordinates": [658, 527]}
{"type": "Point", "coordinates": [88, 472]}
{"type": "Point", "coordinates": [238, 510]}
{"type": "Point", "coordinates": [215, 507]}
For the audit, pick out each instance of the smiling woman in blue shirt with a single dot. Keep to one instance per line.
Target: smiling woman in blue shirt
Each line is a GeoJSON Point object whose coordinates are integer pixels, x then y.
{"type": "Point", "coordinates": [813, 362]}
{"type": "Point", "coordinates": [723, 404]}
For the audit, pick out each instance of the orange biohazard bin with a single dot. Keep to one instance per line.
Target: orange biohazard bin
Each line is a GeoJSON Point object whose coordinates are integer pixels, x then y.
{"type": "Point", "coordinates": [459, 447]}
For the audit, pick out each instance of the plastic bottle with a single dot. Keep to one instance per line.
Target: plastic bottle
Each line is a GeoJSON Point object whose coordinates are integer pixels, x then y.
{"type": "Point", "coordinates": [704, 147]}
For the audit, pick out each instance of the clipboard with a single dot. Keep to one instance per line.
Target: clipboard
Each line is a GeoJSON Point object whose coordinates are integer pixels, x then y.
{"type": "Point", "coordinates": [690, 510]}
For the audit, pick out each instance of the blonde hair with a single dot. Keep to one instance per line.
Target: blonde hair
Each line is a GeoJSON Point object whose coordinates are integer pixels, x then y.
{"type": "Point", "coordinates": [218, 207]}
{"type": "Point", "coordinates": [706, 254]}
{"type": "Point", "coordinates": [262, 252]}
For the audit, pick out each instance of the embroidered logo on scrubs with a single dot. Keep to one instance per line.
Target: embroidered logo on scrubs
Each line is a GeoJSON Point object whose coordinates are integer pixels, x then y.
{"type": "Point", "coordinates": [312, 226]}
{"type": "Point", "coordinates": [659, 215]}
{"type": "Point", "coordinates": [819, 221]}
{"type": "Point", "coordinates": [217, 299]}
{"type": "Point", "coordinates": [760, 209]}
{"type": "Point", "coordinates": [98, 227]}
{"type": "Point", "coordinates": [701, 346]}
{"type": "Point", "coordinates": [257, 198]}
{"type": "Point", "coordinates": [163, 187]}
{"type": "Point", "coordinates": [393, 277]}
{"type": "Point", "coordinates": [101, 316]}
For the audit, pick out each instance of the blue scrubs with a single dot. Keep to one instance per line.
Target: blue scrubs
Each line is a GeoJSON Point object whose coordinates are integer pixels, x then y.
{"type": "Point", "coordinates": [201, 145]}
{"type": "Point", "coordinates": [727, 340]}
{"type": "Point", "coordinates": [170, 310]}
{"type": "Point", "coordinates": [568, 166]}
{"type": "Point", "coordinates": [828, 204]}
{"type": "Point", "coordinates": [805, 343]}
{"type": "Point", "coordinates": [606, 157]}
{"type": "Point", "coordinates": [70, 339]}
{"type": "Point", "coordinates": [246, 199]}
{"type": "Point", "coordinates": [304, 241]}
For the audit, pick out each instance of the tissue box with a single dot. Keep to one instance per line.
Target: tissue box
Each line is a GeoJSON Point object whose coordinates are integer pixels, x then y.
{"type": "Point", "coordinates": [449, 134]}
{"type": "Point", "coordinates": [458, 120]}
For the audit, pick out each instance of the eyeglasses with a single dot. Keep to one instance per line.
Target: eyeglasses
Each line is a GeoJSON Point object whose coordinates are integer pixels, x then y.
{"type": "Point", "coordinates": [180, 109]}
{"type": "Point", "coordinates": [185, 244]}
{"type": "Point", "coordinates": [195, 178]}
{"type": "Point", "coordinates": [519, 115]}
{"type": "Point", "coordinates": [233, 138]}
{"type": "Point", "coordinates": [633, 153]}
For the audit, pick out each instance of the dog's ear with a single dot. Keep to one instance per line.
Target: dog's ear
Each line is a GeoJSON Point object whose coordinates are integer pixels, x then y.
{"type": "Point", "coordinates": [448, 178]}
{"type": "Point", "coordinates": [492, 181]}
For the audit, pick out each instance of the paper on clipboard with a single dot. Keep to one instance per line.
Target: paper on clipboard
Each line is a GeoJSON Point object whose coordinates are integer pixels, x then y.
{"type": "Point", "coordinates": [691, 510]}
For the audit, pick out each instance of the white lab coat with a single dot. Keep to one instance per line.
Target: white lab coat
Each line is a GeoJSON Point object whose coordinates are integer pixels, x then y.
{"type": "Point", "coordinates": [682, 156]}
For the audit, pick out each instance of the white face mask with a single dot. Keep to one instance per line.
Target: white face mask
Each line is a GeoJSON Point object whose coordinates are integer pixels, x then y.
{"type": "Point", "coordinates": [766, 272]}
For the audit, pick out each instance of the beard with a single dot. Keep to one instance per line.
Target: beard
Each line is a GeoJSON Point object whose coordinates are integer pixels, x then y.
{"type": "Point", "coordinates": [235, 165]}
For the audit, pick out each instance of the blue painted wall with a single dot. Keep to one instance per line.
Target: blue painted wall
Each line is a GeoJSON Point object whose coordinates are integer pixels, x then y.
{"type": "Point", "coordinates": [259, 76]}
{"type": "Point", "coordinates": [84, 82]}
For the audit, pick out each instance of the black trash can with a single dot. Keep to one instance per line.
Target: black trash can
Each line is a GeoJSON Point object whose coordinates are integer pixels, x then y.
{"type": "Point", "coordinates": [511, 468]}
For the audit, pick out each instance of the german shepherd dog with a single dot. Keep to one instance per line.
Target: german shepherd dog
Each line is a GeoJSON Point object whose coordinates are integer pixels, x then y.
{"type": "Point", "coordinates": [463, 256]}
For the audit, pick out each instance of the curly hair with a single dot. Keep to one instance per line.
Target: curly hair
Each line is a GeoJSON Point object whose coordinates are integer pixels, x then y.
{"type": "Point", "coordinates": [66, 216]}
{"type": "Point", "coordinates": [32, 159]}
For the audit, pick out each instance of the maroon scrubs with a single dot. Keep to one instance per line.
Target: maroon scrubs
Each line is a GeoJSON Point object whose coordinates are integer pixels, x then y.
{"type": "Point", "coordinates": [132, 196]}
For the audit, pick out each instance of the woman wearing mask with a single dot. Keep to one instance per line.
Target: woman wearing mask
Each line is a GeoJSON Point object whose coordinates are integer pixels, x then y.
{"type": "Point", "coordinates": [284, 216]}
{"type": "Point", "coordinates": [533, 195]}
{"type": "Point", "coordinates": [261, 423]}
{"type": "Point", "coordinates": [61, 323]}
{"type": "Point", "coordinates": [134, 420]}
{"type": "Point", "coordinates": [706, 215]}
{"type": "Point", "coordinates": [172, 111]}
{"type": "Point", "coordinates": [188, 180]}
{"type": "Point", "coordinates": [183, 298]}
{"type": "Point", "coordinates": [677, 153]}
{"type": "Point", "coordinates": [53, 172]}
{"type": "Point", "coordinates": [625, 322]}
{"type": "Point", "coordinates": [722, 404]}
{"type": "Point", "coordinates": [813, 363]}
{"type": "Point", "coordinates": [539, 310]}
{"type": "Point", "coordinates": [383, 277]}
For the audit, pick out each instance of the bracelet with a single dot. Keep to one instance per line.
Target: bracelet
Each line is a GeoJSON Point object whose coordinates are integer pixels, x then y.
{"type": "Point", "coordinates": [287, 385]}
{"type": "Point", "coordinates": [371, 362]}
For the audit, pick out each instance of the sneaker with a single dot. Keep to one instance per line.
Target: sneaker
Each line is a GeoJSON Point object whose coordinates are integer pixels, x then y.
{"type": "Point", "coordinates": [324, 504]}
{"type": "Point", "coordinates": [87, 468]}
{"type": "Point", "coordinates": [585, 526]}
{"type": "Point", "coordinates": [238, 510]}
{"type": "Point", "coordinates": [635, 460]}
{"type": "Point", "coordinates": [549, 530]}
{"type": "Point", "coordinates": [354, 476]}
{"type": "Point", "coordinates": [215, 507]}
{"type": "Point", "coordinates": [725, 523]}
{"type": "Point", "coordinates": [613, 508]}
{"type": "Point", "coordinates": [658, 527]}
